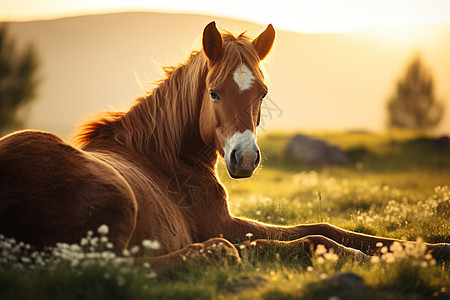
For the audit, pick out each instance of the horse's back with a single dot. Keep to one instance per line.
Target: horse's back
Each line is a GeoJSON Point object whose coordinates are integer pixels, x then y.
{"type": "Point", "coordinates": [52, 192]}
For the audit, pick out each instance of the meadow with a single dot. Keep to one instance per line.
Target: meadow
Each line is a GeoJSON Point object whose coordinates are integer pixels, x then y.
{"type": "Point", "coordinates": [397, 185]}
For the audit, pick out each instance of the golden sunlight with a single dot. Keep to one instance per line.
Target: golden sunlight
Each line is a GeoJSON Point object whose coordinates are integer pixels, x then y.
{"type": "Point", "coordinates": [303, 16]}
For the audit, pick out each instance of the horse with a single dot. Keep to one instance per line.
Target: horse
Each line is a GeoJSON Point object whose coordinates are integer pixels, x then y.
{"type": "Point", "coordinates": [150, 172]}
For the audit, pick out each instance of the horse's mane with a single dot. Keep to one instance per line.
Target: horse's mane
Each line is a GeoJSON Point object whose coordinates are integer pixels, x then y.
{"type": "Point", "coordinates": [156, 121]}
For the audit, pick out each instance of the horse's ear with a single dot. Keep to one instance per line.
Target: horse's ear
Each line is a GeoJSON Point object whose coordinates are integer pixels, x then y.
{"type": "Point", "coordinates": [264, 42]}
{"type": "Point", "coordinates": [212, 41]}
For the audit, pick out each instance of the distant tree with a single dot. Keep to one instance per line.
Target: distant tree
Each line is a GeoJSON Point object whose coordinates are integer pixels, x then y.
{"type": "Point", "coordinates": [18, 80]}
{"type": "Point", "coordinates": [414, 105]}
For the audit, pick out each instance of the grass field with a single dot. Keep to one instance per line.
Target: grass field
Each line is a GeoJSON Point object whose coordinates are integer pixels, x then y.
{"type": "Point", "coordinates": [395, 186]}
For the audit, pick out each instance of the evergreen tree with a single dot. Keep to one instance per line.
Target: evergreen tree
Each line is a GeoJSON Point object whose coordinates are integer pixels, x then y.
{"type": "Point", "coordinates": [414, 105]}
{"type": "Point", "coordinates": [17, 80]}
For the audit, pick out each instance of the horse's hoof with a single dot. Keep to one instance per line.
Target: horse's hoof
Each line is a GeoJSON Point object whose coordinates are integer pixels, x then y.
{"type": "Point", "coordinates": [221, 248]}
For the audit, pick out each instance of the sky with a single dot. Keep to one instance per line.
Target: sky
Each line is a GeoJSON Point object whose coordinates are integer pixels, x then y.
{"type": "Point", "coordinates": [377, 54]}
{"type": "Point", "coordinates": [313, 16]}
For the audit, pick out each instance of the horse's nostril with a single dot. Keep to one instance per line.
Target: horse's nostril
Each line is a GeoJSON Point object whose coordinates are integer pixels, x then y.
{"type": "Point", "coordinates": [233, 158]}
{"type": "Point", "coordinates": [258, 158]}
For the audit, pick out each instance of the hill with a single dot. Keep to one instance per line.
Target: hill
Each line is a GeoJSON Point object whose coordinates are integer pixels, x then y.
{"type": "Point", "coordinates": [320, 81]}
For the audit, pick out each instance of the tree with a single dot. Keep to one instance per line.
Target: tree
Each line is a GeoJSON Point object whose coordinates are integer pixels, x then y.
{"type": "Point", "coordinates": [414, 105]}
{"type": "Point", "coordinates": [18, 80]}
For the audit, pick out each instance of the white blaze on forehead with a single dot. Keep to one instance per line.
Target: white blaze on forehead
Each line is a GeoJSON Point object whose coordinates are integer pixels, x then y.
{"type": "Point", "coordinates": [245, 140]}
{"type": "Point", "coordinates": [243, 77]}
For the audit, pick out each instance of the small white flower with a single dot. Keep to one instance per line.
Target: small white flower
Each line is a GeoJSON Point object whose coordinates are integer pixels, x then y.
{"type": "Point", "coordinates": [374, 259]}
{"type": "Point", "coordinates": [103, 229]}
{"type": "Point", "coordinates": [25, 259]}
{"type": "Point", "coordinates": [320, 250]}
{"type": "Point", "coordinates": [94, 242]}
{"type": "Point", "coordinates": [75, 248]}
{"type": "Point", "coordinates": [134, 250]}
{"type": "Point", "coordinates": [151, 245]}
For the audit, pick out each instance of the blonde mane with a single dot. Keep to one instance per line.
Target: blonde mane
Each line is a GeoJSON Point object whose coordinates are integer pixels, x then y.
{"type": "Point", "coordinates": [156, 121]}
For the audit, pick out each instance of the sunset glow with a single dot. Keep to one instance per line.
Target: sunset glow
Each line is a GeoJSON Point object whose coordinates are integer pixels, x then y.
{"type": "Point", "coordinates": [304, 16]}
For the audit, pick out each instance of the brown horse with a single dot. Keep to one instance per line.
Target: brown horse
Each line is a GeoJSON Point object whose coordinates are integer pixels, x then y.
{"type": "Point", "coordinates": [149, 173]}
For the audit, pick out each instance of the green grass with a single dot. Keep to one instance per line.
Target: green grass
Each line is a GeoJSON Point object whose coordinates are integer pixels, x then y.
{"type": "Point", "coordinates": [395, 186]}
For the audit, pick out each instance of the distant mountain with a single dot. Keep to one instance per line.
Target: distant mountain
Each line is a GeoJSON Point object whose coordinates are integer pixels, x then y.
{"type": "Point", "coordinates": [321, 81]}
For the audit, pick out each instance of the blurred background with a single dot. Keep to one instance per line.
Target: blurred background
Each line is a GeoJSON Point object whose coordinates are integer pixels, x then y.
{"type": "Point", "coordinates": [354, 66]}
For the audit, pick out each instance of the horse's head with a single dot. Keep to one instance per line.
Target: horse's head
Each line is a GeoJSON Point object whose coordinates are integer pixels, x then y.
{"type": "Point", "coordinates": [234, 92]}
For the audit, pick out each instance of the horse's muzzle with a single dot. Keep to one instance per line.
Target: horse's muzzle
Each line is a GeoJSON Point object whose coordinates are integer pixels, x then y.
{"type": "Point", "coordinates": [242, 163]}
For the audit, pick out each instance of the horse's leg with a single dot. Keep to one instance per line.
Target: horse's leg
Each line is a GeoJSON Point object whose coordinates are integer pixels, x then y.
{"type": "Point", "coordinates": [306, 245]}
{"type": "Point", "coordinates": [215, 248]}
{"type": "Point", "coordinates": [367, 243]}
{"type": "Point", "coordinates": [238, 227]}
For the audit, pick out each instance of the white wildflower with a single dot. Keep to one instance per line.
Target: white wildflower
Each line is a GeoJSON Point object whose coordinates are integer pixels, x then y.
{"type": "Point", "coordinates": [151, 245]}
{"type": "Point", "coordinates": [375, 259]}
{"type": "Point", "coordinates": [320, 250]}
{"type": "Point", "coordinates": [331, 256]}
{"type": "Point", "coordinates": [134, 250]}
{"type": "Point", "coordinates": [25, 259]}
{"type": "Point", "coordinates": [103, 229]}
{"type": "Point", "coordinates": [94, 242]}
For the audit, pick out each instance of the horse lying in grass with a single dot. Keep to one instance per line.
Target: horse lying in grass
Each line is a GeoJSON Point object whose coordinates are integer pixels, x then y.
{"type": "Point", "coordinates": [149, 173]}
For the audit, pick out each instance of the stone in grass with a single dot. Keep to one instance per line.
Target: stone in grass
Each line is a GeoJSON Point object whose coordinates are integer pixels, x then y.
{"type": "Point", "coordinates": [308, 150]}
{"type": "Point", "coordinates": [344, 286]}
{"type": "Point", "coordinates": [347, 280]}
{"type": "Point", "coordinates": [236, 285]}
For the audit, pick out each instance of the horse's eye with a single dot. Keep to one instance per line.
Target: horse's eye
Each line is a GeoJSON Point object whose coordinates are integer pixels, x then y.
{"type": "Point", "coordinates": [265, 94]}
{"type": "Point", "coordinates": [213, 95]}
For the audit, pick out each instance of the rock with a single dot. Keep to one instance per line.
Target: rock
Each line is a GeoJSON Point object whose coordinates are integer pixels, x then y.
{"type": "Point", "coordinates": [348, 281]}
{"type": "Point", "coordinates": [308, 150]}
{"type": "Point", "coordinates": [237, 285]}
